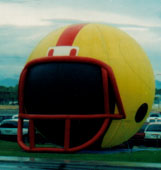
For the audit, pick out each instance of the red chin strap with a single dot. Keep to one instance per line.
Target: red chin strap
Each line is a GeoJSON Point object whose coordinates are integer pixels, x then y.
{"type": "Point", "coordinates": [107, 74]}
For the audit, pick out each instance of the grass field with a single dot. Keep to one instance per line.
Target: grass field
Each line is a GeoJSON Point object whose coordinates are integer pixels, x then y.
{"type": "Point", "coordinates": [8, 107]}
{"type": "Point", "coordinates": [12, 149]}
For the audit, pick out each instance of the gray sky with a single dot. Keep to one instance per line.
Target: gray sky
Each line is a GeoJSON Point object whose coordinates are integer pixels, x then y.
{"type": "Point", "coordinates": [23, 23]}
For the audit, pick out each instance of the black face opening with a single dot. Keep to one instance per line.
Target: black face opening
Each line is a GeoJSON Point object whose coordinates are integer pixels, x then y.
{"type": "Point", "coordinates": [65, 88]}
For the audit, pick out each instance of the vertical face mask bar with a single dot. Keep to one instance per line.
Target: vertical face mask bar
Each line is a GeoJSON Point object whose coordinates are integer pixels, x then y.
{"type": "Point", "coordinates": [67, 134]}
{"type": "Point", "coordinates": [106, 73]}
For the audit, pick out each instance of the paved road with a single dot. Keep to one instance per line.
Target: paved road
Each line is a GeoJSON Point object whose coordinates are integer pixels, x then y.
{"type": "Point", "coordinates": [17, 163]}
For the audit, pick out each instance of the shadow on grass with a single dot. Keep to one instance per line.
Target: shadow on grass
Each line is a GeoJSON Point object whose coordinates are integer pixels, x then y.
{"type": "Point", "coordinates": [12, 149]}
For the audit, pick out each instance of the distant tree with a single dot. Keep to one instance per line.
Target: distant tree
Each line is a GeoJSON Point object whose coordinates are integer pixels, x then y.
{"type": "Point", "coordinates": [8, 94]}
{"type": "Point", "coordinates": [158, 91]}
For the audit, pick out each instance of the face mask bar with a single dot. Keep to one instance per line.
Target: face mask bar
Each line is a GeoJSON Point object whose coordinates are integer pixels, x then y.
{"type": "Point", "coordinates": [107, 74]}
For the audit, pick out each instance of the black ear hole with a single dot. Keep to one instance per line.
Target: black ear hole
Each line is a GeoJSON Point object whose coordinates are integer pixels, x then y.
{"type": "Point", "coordinates": [141, 112]}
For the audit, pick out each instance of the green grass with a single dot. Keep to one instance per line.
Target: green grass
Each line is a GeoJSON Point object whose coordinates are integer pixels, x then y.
{"type": "Point", "coordinates": [12, 149]}
{"type": "Point", "coordinates": [8, 107]}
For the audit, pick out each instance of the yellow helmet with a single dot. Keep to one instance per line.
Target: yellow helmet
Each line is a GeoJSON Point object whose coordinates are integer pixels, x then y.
{"type": "Point", "coordinates": [95, 84]}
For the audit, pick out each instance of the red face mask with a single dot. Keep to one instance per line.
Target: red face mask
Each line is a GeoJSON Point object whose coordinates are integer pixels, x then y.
{"type": "Point", "coordinates": [69, 99]}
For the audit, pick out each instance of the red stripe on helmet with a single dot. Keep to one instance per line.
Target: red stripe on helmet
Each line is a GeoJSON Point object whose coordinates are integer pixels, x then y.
{"type": "Point", "coordinates": [69, 34]}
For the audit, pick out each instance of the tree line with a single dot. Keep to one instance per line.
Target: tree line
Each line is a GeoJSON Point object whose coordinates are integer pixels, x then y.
{"type": "Point", "coordinates": [158, 91]}
{"type": "Point", "coordinates": [9, 95]}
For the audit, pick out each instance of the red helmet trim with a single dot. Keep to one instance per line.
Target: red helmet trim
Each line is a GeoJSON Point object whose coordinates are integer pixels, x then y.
{"type": "Point", "coordinates": [106, 73]}
{"type": "Point", "coordinates": [69, 34]}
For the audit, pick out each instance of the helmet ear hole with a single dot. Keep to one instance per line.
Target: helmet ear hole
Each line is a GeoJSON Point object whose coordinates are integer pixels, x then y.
{"type": "Point", "coordinates": [141, 112]}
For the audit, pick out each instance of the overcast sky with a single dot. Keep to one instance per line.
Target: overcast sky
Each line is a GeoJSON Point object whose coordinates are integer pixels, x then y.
{"type": "Point", "coordinates": [23, 23]}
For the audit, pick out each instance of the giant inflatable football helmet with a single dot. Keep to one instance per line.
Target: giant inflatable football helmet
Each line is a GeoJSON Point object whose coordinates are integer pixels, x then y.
{"type": "Point", "coordinates": [85, 85]}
